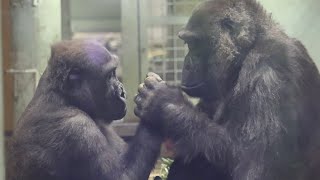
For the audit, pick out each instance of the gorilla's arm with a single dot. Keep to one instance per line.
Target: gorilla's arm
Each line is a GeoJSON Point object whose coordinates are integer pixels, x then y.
{"type": "Point", "coordinates": [194, 133]}
{"type": "Point", "coordinates": [192, 130]}
{"type": "Point", "coordinates": [141, 155]}
{"type": "Point", "coordinates": [109, 158]}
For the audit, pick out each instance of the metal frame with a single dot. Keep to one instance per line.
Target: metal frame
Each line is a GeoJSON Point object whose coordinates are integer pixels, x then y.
{"type": "Point", "coordinates": [2, 139]}
{"type": "Point", "coordinates": [130, 53]}
{"type": "Point", "coordinates": [136, 22]}
{"type": "Point", "coordinates": [170, 22]}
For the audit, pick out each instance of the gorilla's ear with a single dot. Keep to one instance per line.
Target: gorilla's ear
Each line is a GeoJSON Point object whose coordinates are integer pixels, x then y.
{"type": "Point", "coordinates": [74, 79]}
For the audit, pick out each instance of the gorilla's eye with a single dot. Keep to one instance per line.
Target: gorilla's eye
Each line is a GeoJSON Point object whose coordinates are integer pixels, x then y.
{"type": "Point", "coordinates": [74, 79]}
{"type": "Point", "coordinates": [111, 74]}
{"type": "Point", "coordinates": [74, 75]}
{"type": "Point", "coordinates": [227, 23]}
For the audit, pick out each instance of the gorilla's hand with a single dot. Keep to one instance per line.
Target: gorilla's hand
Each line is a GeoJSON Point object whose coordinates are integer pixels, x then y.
{"type": "Point", "coordinates": [169, 148]}
{"type": "Point", "coordinates": [155, 100]}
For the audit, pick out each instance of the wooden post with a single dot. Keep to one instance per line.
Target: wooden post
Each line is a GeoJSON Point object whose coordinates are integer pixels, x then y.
{"type": "Point", "coordinates": [6, 64]}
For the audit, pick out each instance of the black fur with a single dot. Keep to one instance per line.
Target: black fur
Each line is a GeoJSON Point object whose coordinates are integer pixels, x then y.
{"type": "Point", "coordinates": [258, 118]}
{"type": "Point", "coordinates": [64, 133]}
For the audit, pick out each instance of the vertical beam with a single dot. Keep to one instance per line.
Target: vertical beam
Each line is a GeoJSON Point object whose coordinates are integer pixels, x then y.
{"type": "Point", "coordinates": [130, 52]}
{"type": "Point", "coordinates": [2, 172]}
{"type": "Point", "coordinates": [34, 28]}
{"type": "Point", "coordinates": [66, 19]}
{"type": "Point", "coordinates": [23, 31]}
{"type": "Point", "coordinates": [48, 31]}
{"type": "Point", "coordinates": [143, 37]}
{"type": "Point", "coordinates": [7, 63]}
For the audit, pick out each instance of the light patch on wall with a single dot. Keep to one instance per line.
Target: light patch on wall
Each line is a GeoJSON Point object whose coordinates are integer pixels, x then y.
{"type": "Point", "coordinates": [300, 20]}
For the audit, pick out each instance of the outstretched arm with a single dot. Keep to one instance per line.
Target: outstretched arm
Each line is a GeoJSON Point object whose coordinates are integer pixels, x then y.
{"type": "Point", "coordinates": [141, 155]}
{"type": "Point", "coordinates": [105, 158]}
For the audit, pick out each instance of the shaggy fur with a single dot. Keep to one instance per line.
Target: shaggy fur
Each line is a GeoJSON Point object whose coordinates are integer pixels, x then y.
{"type": "Point", "coordinates": [258, 118]}
{"type": "Point", "coordinates": [64, 133]}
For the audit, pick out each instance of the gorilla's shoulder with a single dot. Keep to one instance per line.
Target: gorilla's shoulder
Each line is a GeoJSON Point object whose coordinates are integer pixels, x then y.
{"type": "Point", "coordinates": [275, 61]}
{"type": "Point", "coordinates": [279, 52]}
{"type": "Point", "coordinates": [53, 116]}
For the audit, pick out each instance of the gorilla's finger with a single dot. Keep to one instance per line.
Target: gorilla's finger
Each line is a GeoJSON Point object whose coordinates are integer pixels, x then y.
{"type": "Point", "coordinates": [138, 100]}
{"type": "Point", "coordinates": [137, 112]}
{"type": "Point", "coordinates": [152, 74]}
{"type": "Point", "coordinates": [142, 89]}
{"type": "Point", "coordinates": [151, 82]}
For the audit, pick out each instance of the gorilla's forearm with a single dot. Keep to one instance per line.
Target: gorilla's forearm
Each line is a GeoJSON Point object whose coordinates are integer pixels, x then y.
{"type": "Point", "coordinates": [196, 134]}
{"type": "Point", "coordinates": [141, 154]}
{"type": "Point", "coordinates": [110, 158]}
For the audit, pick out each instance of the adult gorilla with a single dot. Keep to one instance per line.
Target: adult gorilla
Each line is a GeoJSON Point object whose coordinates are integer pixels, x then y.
{"type": "Point", "coordinates": [64, 133]}
{"type": "Point", "coordinates": [259, 114]}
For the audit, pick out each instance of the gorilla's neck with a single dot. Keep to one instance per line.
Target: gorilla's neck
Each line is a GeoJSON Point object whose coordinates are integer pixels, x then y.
{"type": "Point", "coordinates": [45, 92]}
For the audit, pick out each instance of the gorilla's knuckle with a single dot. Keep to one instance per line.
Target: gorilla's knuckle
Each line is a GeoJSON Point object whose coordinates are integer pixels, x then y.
{"type": "Point", "coordinates": [139, 100]}
{"type": "Point", "coordinates": [150, 74]}
{"type": "Point", "coordinates": [142, 90]}
{"type": "Point", "coordinates": [141, 86]}
{"type": "Point", "coordinates": [150, 82]}
{"type": "Point", "coordinates": [154, 75]}
{"type": "Point", "coordinates": [137, 112]}
{"type": "Point", "coordinates": [150, 79]}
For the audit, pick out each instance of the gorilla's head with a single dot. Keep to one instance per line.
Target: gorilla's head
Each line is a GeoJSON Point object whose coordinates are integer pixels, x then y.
{"type": "Point", "coordinates": [84, 72]}
{"type": "Point", "coordinates": [219, 35]}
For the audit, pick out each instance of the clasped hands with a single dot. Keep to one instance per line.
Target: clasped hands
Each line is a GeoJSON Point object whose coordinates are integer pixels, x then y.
{"type": "Point", "coordinates": [155, 104]}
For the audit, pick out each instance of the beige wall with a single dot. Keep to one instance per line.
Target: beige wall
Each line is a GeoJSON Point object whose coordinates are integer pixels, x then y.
{"type": "Point", "coordinates": [300, 19]}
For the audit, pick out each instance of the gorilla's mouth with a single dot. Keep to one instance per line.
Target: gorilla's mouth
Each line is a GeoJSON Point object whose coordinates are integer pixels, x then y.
{"type": "Point", "coordinates": [192, 87]}
{"type": "Point", "coordinates": [193, 90]}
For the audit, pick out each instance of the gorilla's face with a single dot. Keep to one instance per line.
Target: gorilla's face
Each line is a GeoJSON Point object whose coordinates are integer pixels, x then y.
{"type": "Point", "coordinates": [93, 86]}
{"type": "Point", "coordinates": [216, 36]}
{"type": "Point", "coordinates": [113, 93]}
{"type": "Point", "coordinates": [114, 97]}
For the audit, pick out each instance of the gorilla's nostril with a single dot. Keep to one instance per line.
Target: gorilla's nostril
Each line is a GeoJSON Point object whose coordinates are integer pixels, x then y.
{"type": "Point", "coordinates": [123, 95]}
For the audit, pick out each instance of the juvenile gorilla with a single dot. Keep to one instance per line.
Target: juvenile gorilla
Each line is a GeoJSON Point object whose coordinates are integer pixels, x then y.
{"type": "Point", "coordinates": [259, 113]}
{"type": "Point", "coordinates": [64, 133]}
